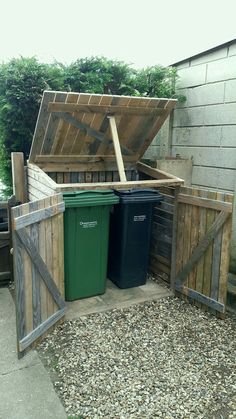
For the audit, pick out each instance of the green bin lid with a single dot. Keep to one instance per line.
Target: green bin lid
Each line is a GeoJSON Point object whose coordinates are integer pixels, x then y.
{"type": "Point", "coordinates": [90, 198]}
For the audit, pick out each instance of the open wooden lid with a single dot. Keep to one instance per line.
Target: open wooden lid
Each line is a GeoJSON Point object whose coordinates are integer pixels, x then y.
{"type": "Point", "coordinates": [75, 126]}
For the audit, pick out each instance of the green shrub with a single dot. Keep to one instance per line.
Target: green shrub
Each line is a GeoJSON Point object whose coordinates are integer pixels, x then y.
{"type": "Point", "coordinates": [23, 80]}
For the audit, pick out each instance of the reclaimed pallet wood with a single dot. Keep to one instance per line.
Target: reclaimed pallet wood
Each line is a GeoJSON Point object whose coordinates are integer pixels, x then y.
{"type": "Point", "coordinates": [201, 275]}
{"type": "Point", "coordinates": [38, 267]}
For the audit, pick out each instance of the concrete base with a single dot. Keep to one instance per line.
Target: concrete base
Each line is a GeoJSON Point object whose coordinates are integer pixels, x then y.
{"type": "Point", "coordinates": [25, 387]}
{"type": "Point", "coordinates": [115, 297]}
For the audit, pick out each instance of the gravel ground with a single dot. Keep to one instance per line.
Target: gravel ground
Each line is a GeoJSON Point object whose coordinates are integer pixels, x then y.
{"type": "Point", "coordinates": [164, 359]}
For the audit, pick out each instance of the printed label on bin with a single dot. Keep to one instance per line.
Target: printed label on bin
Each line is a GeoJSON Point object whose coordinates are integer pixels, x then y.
{"type": "Point", "coordinates": [88, 224]}
{"type": "Point", "coordinates": [140, 217]}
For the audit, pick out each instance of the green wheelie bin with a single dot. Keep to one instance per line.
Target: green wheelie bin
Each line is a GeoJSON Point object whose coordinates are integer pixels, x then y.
{"type": "Point", "coordinates": [86, 233]}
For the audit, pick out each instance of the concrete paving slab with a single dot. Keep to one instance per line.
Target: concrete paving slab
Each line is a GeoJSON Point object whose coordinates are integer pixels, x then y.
{"type": "Point", "coordinates": [115, 297]}
{"type": "Point", "coordinates": [25, 386]}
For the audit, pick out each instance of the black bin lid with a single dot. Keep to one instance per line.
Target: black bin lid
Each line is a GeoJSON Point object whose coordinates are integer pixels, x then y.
{"type": "Point", "coordinates": [138, 195]}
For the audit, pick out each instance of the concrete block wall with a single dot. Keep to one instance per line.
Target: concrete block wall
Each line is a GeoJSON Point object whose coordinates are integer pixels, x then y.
{"type": "Point", "coordinates": [204, 127]}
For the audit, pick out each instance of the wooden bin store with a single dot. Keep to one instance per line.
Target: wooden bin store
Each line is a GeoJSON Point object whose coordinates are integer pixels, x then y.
{"type": "Point", "coordinates": [88, 141]}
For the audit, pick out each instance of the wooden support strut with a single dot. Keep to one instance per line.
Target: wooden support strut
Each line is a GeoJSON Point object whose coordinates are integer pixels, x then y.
{"type": "Point", "coordinates": [116, 143]}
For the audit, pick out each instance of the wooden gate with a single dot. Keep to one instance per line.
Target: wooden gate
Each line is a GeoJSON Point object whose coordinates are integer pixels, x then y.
{"type": "Point", "coordinates": [38, 259]}
{"type": "Point", "coordinates": [201, 246]}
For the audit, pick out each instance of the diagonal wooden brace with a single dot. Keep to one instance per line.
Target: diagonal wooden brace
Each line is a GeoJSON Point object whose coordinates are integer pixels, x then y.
{"type": "Point", "coordinates": [202, 247]}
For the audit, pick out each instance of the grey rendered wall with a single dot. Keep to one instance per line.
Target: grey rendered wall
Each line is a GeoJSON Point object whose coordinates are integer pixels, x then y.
{"type": "Point", "coordinates": [204, 127]}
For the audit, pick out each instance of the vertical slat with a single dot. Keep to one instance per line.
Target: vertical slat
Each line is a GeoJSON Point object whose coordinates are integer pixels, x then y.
{"type": "Point", "coordinates": [60, 249]}
{"type": "Point", "coordinates": [210, 216]}
{"type": "Point", "coordinates": [36, 300]}
{"type": "Point", "coordinates": [174, 241]}
{"type": "Point", "coordinates": [102, 177]}
{"type": "Point", "coordinates": [67, 178]}
{"type": "Point", "coordinates": [28, 282]}
{"type": "Point", "coordinates": [225, 256]}
{"type": "Point", "coordinates": [48, 256]}
{"type": "Point", "coordinates": [187, 235]}
{"type": "Point", "coordinates": [202, 231]}
{"type": "Point", "coordinates": [180, 235]}
{"type": "Point", "coordinates": [215, 277]}
{"type": "Point", "coordinates": [18, 176]}
{"type": "Point", "coordinates": [88, 177]}
{"type": "Point", "coordinates": [194, 240]}
{"type": "Point", "coordinates": [81, 177]}
{"type": "Point", "coordinates": [60, 177]}
{"type": "Point", "coordinates": [42, 252]}
{"type": "Point", "coordinates": [55, 249]}
{"type": "Point", "coordinates": [19, 282]}
{"type": "Point", "coordinates": [74, 177]}
{"type": "Point", "coordinates": [95, 177]}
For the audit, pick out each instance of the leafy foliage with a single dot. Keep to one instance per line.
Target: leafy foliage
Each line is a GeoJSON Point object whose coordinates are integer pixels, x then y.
{"type": "Point", "coordinates": [23, 80]}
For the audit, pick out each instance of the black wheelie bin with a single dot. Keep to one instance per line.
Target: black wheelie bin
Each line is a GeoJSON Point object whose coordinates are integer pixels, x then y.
{"type": "Point", "coordinates": [130, 233]}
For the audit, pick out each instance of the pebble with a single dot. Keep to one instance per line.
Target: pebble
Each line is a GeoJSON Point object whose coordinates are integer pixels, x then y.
{"type": "Point", "coordinates": [160, 359]}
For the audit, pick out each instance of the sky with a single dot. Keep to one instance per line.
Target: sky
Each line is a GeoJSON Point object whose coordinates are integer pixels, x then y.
{"type": "Point", "coordinates": [141, 33]}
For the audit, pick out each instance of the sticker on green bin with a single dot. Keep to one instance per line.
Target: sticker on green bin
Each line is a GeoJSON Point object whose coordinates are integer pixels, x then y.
{"type": "Point", "coordinates": [88, 224]}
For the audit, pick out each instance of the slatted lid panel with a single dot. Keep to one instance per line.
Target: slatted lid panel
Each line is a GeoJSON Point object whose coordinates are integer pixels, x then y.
{"type": "Point", "coordinates": [77, 124]}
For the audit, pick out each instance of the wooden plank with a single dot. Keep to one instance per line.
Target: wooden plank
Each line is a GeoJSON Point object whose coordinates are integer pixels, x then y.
{"type": "Point", "coordinates": [70, 133]}
{"type": "Point", "coordinates": [19, 283]}
{"type": "Point", "coordinates": [41, 125]}
{"type": "Point", "coordinates": [82, 140]}
{"type": "Point", "coordinates": [156, 173]}
{"type": "Point", "coordinates": [210, 217]}
{"type": "Point", "coordinates": [18, 176]}
{"type": "Point", "coordinates": [201, 298]}
{"type": "Point", "coordinates": [117, 149]}
{"type": "Point", "coordinates": [105, 110]}
{"type": "Point", "coordinates": [174, 242]}
{"type": "Point", "coordinates": [83, 167]}
{"type": "Point", "coordinates": [225, 255]}
{"type": "Point", "coordinates": [59, 239]}
{"type": "Point", "coordinates": [80, 158]}
{"type": "Point", "coordinates": [118, 185]}
{"type": "Point", "coordinates": [45, 190]}
{"type": "Point", "coordinates": [25, 209]}
{"type": "Point", "coordinates": [5, 275]}
{"type": "Point", "coordinates": [40, 175]}
{"type": "Point", "coordinates": [203, 245]}
{"type": "Point", "coordinates": [42, 251]}
{"type": "Point", "coordinates": [41, 266]}
{"type": "Point", "coordinates": [42, 328]}
{"type": "Point", "coordinates": [155, 127]}
{"type": "Point", "coordinates": [215, 276]}
{"type": "Point", "coordinates": [193, 242]}
{"type": "Point", "coordinates": [35, 277]}
{"type": "Point", "coordinates": [52, 127]}
{"type": "Point", "coordinates": [4, 235]}
{"type": "Point", "coordinates": [201, 234]}
{"type": "Point", "coordinates": [38, 215]}
{"type": "Point", "coordinates": [205, 203]}
{"type": "Point", "coordinates": [87, 130]}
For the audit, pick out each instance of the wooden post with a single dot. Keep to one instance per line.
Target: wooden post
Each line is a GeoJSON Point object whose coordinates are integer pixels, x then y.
{"type": "Point", "coordinates": [117, 149]}
{"type": "Point", "coordinates": [18, 176]}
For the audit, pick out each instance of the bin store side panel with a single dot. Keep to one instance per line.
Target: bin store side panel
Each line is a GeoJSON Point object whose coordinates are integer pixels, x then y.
{"type": "Point", "coordinates": [86, 245]}
{"type": "Point", "coordinates": [129, 244]}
